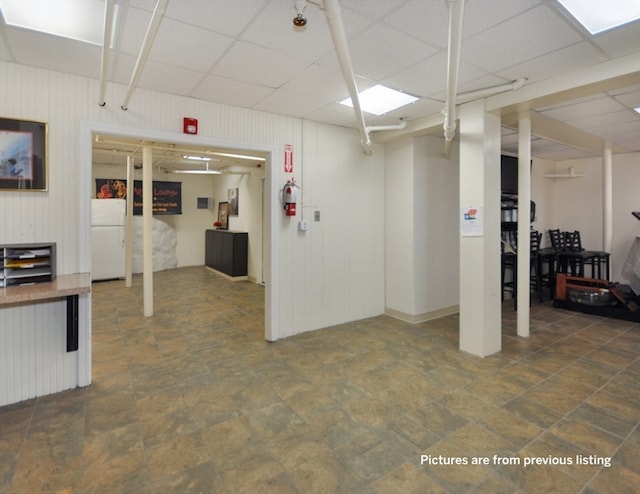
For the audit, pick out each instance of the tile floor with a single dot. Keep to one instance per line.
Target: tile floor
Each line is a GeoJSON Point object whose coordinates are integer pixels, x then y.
{"type": "Point", "coordinates": [194, 400]}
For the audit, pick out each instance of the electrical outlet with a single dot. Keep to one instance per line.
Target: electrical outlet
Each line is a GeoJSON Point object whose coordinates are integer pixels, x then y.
{"type": "Point", "coordinates": [316, 216]}
{"type": "Point", "coordinates": [303, 226]}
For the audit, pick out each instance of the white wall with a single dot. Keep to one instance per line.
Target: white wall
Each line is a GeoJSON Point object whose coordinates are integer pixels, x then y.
{"type": "Point", "coordinates": [331, 274]}
{"type": "Point", "coordinates": [250, 212]}
{"type": "Point", "coordinates": [579, 204]}
{"type": "Point", "coordinates": [422, 239]}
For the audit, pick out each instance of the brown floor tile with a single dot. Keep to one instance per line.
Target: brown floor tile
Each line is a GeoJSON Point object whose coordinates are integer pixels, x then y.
{"type": "Point", "coordinates": [197, 401]}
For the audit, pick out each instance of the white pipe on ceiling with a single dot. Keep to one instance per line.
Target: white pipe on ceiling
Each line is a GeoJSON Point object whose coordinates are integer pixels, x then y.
{"type": "Point", "coordinates": [334, 19]}
{"type": "Point", "coordinates": [376, 128]}
{"type": "Point", "coordinates": [490, 91]}
{"type": "Point", "coordinates": [106, 44]}
{"type": "Point", "coordinates": [152, 29]}
{"type": "Point", "coordinates": [456, 14]}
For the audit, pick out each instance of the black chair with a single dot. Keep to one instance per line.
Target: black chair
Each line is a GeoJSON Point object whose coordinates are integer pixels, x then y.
{"type": "Point", "coordinates": [509, 262]}
{"type": "Point", "coordinates": [581, 257]}
{"type": "Point", "coordinates": [566, 260]}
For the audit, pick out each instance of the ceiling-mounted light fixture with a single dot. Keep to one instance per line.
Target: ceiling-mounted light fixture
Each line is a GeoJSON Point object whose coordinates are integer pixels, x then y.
{"type": "Point", "coordinates": [195, 158]}
{"type": "Point", "coordinates": [239, 156]}
{"type": "Point", "coordinates": [597, 16]}
{"type": "Point", "coordinates": [205, 171]}
{"type": "Point", "coordinates": [299, 21]}
{"type": "Point", "coordinates": [380, 99]}
{"type": "Point", "coordinates": [80, 21]}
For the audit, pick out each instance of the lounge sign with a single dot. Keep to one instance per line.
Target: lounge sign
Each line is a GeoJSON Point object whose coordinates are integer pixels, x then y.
{"type": "Point", "coordinates": [167, 196]}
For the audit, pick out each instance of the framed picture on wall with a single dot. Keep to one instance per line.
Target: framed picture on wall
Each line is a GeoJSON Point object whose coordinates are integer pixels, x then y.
{"type": "Point", "coordinates": [223, 215]}
{"type": "Point", "coordinates": [23, 155]}
{"type": "Point", "coordinates": [233, 195]}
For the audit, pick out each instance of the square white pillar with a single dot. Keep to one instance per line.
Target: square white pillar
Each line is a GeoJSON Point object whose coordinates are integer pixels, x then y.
{"type": "Point", "coordinates": [480, 298]}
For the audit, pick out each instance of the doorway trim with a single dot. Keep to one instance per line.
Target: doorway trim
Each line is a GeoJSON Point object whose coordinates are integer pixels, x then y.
{"type": "Point", "coordinates": [270, 261]}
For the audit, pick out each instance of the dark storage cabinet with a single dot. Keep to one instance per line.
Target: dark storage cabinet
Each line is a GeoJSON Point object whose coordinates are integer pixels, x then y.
{"type": "Point", "coordinates": [226, 251]}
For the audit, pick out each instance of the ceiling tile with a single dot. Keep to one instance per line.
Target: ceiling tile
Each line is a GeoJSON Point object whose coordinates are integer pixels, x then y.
{"type": "Point", "coordinates": [230, 92]}
{"type": "Point", "coordinates": [589, 108]}
{"type": "Point", "coordinates": [229, 17]}
{"type": "Point", "coordinates": [187, 46]}
{"type": "Point", "coordinates": [252, 63]}
{"type": "Point", "coordinates": [372, 54]}
{"type": "Point", "coordinates": [524, 37]}
{"type": "Point", "coordinates": [555, 63]}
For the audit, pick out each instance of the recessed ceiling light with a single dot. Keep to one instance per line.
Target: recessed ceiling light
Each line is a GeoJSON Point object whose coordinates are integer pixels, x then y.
{"type": "Point", "coordinates": [599, 15]}
{"type": "Point", "coordinates": [81, 21]}
{"type": "Point", "coordinates": [380, 99]}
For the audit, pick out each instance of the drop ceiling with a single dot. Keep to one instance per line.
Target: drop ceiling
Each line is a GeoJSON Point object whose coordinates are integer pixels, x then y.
{"type": "Point", "coordinates": [246, 53]}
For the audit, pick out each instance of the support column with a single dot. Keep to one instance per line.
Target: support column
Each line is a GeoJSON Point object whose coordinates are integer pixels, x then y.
{"type": "Point", "coordinates": [480, 301]}
{"type": "Point", "coordinates": [607, 195]}
{"type": "Point", "coordinates": [147, 229]}
{"type": "Point", "coordinates": [524, 224]}
{"type": "Point", "coordinates": [128, 279]}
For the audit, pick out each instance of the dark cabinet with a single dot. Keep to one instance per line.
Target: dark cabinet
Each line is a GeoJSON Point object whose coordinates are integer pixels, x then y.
{"type": "Point", "coordinates": [226, 251]}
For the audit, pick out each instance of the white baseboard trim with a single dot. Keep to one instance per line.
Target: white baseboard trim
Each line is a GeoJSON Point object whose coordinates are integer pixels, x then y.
{"type": "Point", "coordinates": [427, 316]}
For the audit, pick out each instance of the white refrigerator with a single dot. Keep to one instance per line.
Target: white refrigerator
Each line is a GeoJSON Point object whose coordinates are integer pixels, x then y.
{"type": "Point", "coordinates": [108, 220]}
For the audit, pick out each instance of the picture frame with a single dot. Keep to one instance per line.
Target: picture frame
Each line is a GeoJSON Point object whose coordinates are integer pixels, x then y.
{"type": "Point", "coordinates": [233, 198]}
{"type": "Point", "coordinates": [23, 155]}
{"type": "Point", "coordinates": [223, 215]}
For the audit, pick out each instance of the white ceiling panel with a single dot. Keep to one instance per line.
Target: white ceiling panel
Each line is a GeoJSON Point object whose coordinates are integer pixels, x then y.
{"type": "Point", "coordinates": [182, 45]}
{"type": "Point", "coordinates": [229, 17]}
{"type": "Point", "coordinates": [423, 21]}
{"type": "Point", "coordinates": [309, 45]}
{"type": "Point", "coordinates": [53, 52]}
{"type": "Point", "coordinates": [481, 16]}
{"type": "Point", "coordinates": [230, 92]}
{"type": "Point", "coordinates": [168, 79]}
{"type": "Point", "coordinates": [556, 63]}
{"type": "Point", "coordinates": [246, 53]}
{"type": "Point", "coordinates": [372, 54]}
{"type": "Point", "coordinates": [620, 42]}
{"type": "Point", "coordinates": [251, 63]}
{"type": "Point", "coordinates": [525, 37]}
{"type": "Point", "coordinates": [585, 109]}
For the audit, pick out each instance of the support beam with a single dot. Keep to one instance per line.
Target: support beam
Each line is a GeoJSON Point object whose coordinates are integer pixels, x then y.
{"type": "Point", "coordinates": [128, 278]}
{"type": "Point", "coordinates": [480, 300]}
{"type": "Point", "coordinates": [607, 196]}
{"type": "Point", "coordinates": [524, 225]}
{"type": "Point", "coordinates": [147, 221]}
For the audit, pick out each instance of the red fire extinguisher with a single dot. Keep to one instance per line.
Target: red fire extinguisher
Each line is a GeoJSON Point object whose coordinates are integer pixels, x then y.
{"type": "Point", "coordinates": [290, 197]}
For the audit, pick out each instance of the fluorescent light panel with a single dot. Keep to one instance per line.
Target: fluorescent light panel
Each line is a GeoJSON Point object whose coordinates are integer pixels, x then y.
{"type": "Point", "coordinates": [81, 21]}
{"type": "Point", "coordinates": [637, 108]}
{"type": "Point", "coordinates": [240, 156]}
{"type": "Point", "coordinates": [197, 172]}
{"type": "Point", "coordinates": [380, 100]}
{"type": "Point", "coordinates": [196, 158]}
{"type": "Point", "coordinates": [600, 15]}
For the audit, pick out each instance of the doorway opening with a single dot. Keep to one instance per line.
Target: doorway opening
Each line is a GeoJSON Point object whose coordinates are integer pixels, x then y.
{"type": "Point", "coordinates": [236, 166]}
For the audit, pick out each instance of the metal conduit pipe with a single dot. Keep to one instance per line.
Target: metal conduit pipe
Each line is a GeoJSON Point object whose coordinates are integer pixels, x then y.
{"type": "Point", "coordinates": [456, 14]}
{"type": "Point", "coordinates": [106, 43]}
{"type": "Point", "coordinates": [152, 29]}
{"type": "Point", "coordinates": [334, 19]}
